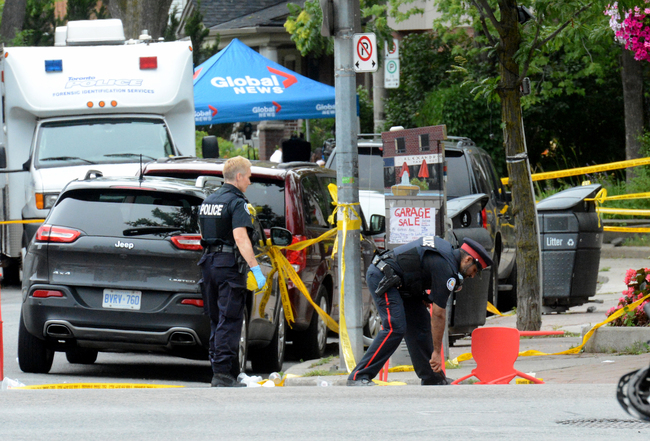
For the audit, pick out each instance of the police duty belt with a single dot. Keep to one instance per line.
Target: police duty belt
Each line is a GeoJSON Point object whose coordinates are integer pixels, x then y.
{"type": "Point", "coordinates": [390, 279]}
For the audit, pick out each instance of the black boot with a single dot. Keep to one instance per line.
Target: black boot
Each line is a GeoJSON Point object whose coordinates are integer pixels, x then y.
{"type": "Point", "coordinates": [225, 380]}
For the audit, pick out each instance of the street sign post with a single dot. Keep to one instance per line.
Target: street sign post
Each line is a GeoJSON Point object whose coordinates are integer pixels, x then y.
{"type": "Point", "coordinates": [391, 74]}
{"type": "Point", "coordinates": [391, 64]}
{"type": "Point", "coordinates": [391, 50]}
{"type": "Point", "coordinates": [365, 52]}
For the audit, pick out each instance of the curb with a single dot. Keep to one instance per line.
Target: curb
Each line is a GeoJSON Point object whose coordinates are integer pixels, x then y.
{"type": "Point", "coordinates": [609, 251]}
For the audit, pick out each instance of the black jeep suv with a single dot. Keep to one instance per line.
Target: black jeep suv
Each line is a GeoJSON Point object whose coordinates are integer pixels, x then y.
{"type": "Point", "coordinates": [114, 268]}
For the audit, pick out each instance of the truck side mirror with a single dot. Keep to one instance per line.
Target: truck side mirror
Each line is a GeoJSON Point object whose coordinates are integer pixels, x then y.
{"type": "Point", "coordinates": [3, 157]}
{"type": "Point", "coordinates": [377, 224]}
{"type": "Point", "coordinates": [210, 147]}
{"type": "Point", "coordinates": [26, 165]}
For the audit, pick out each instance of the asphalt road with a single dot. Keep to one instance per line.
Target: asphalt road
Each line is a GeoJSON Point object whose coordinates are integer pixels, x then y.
{"type": "Point", "coordinates": [109, 367]}
{"type": "Point", "coordinates": [546, 412]}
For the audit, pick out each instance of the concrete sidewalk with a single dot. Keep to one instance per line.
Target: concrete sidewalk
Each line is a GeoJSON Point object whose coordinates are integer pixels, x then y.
{"type": "Point", "coordinates": [583, 368]}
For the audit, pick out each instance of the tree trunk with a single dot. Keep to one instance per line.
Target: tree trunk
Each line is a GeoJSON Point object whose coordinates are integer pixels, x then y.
{"type": "Point", "coordinates": [529, 315]}
{"type": "Point", "coordinates": [137, 15]}
{"type": "Point", "coordinates": [13, 17]}
{"type": "Point", "coordinates": [632, 76]}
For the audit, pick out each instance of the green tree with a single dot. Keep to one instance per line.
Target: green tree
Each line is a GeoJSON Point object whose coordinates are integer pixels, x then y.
{"type": "Point", "coordinates": [304, 26]}
{"type": "Point", "coordinates": [198, 33]}
{"type": "Point", "coordinates": [517, 49]}
{"type": "Point", "coordinates": [85, 10]}
{"type": "Point", "coordinates": [169, 33]}
{"type": "Point", "coordinates": [39, 24]}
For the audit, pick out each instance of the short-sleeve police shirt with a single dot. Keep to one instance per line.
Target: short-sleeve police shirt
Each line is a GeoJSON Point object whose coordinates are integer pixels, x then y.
{"type": "Point", "coordinates": [236, 211]}
{"type": "Point", "coordinates": [444, 278]}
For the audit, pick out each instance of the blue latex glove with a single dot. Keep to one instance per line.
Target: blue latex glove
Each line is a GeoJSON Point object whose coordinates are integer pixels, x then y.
{"type": "Point", "coordinates": [259, 277]}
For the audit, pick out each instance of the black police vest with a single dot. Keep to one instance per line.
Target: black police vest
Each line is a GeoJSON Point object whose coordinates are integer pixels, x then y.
{"type": "Point", "coordinates": [215, 218]}
{"type": "Point", "coordinates": [409, 259]}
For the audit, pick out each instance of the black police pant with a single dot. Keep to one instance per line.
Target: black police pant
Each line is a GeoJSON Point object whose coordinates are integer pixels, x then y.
{"type": "Point", "coordinates": [224, 298]}
{"type": "Point", "coordinates": [400, 318]}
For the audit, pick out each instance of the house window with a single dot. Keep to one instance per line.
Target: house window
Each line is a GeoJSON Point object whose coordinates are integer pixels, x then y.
{"type": "Point", "coordinates": [400, 145]}
{"type": "Point", "coordinates": [424, 142]}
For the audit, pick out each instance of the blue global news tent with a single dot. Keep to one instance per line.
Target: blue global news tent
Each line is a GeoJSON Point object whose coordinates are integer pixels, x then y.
{"type": "Point", "coordinates": [238, 84]}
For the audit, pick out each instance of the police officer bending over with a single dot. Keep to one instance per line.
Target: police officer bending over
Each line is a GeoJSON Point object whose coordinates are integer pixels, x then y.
{"type": "Point", "coordinates": [398, 279]}
{"type": "Point", "coordinates": [226, 223]}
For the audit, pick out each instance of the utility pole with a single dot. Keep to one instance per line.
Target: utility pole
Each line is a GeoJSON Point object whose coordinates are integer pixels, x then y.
{"type": "Point", "coordinates": [347, 170]}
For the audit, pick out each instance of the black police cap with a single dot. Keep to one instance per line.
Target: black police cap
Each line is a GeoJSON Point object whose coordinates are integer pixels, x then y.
{"type": "Point", "coordinates": [476, 250]}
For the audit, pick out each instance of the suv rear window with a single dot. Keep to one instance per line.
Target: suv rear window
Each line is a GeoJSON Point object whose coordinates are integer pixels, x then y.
{"type": "Point", "coordinates": [113, 212]}
{"type": "Point", "coordinates": [460, 185]}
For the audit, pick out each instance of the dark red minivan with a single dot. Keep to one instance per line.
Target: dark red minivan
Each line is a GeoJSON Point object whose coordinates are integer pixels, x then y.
{"type": "Point", "coordinates": [294, 196]}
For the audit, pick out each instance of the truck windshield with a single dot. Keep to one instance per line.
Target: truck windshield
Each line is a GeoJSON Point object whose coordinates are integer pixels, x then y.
{"type": "Point", "coordinates": [101, 142]}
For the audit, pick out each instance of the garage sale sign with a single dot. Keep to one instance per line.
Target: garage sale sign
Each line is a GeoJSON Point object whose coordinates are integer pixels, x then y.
{"type": "Point", "coordinates": [410, 223]}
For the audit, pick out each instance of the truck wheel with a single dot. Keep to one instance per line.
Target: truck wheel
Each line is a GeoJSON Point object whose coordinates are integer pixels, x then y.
{"type": "Point", "coordinates": [311, 343]}
{"type": "Point", "coordinates": [271, 357]}
{"type": "Point", "coordinates": [34, 355]}
{"type": "Point", "coordinates": [81, 355]}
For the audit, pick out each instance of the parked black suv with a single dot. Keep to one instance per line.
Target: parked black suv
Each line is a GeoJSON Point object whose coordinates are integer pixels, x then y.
{"type": "Point", "coordinates": [470, 171]}
{"type": "Point", "coordinates": [294, 196]}
{"type": "Point", "coordinates": [114, 268]}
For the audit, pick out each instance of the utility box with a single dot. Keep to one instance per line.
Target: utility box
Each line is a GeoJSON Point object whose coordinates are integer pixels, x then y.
{"type": "Point", "coordinates": [571, 241]}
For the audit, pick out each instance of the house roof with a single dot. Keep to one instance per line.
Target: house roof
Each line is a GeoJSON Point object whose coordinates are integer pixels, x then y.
{"type": "Point", "coordinates": [216, 12]}
{"type": "Point", "coordinates": [274, 15]}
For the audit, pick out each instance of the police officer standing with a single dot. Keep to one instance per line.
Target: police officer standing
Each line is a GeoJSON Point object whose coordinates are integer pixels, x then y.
{"type": "Point", "coordinates": [397, 280]}
{"type": "Point", "coordinates": [226, 222]}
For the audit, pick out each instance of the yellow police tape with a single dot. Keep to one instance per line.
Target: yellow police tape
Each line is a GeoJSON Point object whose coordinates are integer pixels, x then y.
{"type": "Point", "coordinates": [577, 349]}
{"type": "Point", "coordinates": [585, 170]}
{"type": "Point", "coordinates": [24, 221]}
{"type": "Point", "coordinates": [348, 223]}
{"type": "Point", "coordinates": [285, 272]}
{"type": "Point", "coordinates": [98, 386]}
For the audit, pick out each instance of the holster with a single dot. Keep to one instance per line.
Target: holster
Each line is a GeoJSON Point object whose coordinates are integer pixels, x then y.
{"type": "Point", "coordinates": [242, 266]}
{"type": "Point", "coordinates": [390, 279]}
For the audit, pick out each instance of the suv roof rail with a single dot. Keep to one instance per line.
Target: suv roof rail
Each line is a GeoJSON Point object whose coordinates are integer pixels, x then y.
{"type": "Point", "coordinates": [93, 174]}
{"type": "Point", "coordinates": [203, 180]}
{"type": "Point", "coordinates": [297, 164]}
{"type": "Point", "coordinates": [461, 141]}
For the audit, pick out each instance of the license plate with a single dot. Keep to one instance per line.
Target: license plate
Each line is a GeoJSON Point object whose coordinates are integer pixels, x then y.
{"type": "Point", "coordinates": [121, 299]}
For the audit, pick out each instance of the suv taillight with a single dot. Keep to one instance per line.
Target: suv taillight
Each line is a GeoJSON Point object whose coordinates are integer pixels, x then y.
{"type": "Point", "coordinates": [50, 233]}
{"type": "Point", "coordinates": [484, 218]}
{"type": "Point", "coordinates": [45, 293]}
{"type": "Point", "coordinates": [188, 242]}
{"type": "Point", "coordinates": [297, 258]}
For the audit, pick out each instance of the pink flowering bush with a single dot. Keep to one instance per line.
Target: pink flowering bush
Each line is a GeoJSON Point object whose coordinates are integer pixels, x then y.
{"type": "Point", "coordinates": [633, 31]}
{"type": "Point", "coordinates": [638, 286]}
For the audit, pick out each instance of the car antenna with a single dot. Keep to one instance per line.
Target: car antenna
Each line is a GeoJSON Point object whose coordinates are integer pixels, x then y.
{"type": "Point", "coordinates": [141, 178]}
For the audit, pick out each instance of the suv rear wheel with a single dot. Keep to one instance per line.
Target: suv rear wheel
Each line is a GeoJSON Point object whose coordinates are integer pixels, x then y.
{"type": "Point", "coordinates": [270, 358]}
{"type": "Point", "coordinates": [34, 355]}
{"type": "Point", "coordinates": [243, 343]}
{"type": "Point", "coordinates": [311, 343]}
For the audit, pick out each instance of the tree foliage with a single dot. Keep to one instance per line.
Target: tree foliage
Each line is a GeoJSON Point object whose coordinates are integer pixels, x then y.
{"type": "Point", "coordinates": [39, 25]}
{"type": "Point", "coordinates": [198, 33]}
{"type": "Point", "coordinates": [85, 10]}
{"type": "Point", "coordinates": [304, 26]}
{"type": "Point", "coordinates": [173, 21]}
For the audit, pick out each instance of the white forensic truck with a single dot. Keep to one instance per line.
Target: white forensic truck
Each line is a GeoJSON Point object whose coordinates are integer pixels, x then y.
{"type": "Point", "coordinates": [92, 103]}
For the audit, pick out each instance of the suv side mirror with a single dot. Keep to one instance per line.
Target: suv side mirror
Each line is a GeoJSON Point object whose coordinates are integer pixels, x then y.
{"type": "Point", "coordinates": [210, 147]}
{"type": "Point", "coordinates": [377, 224]}
{"type": "Point", "coordinates": [3, 157]}
{"type": "Point", "coordinates": [281, 236]}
